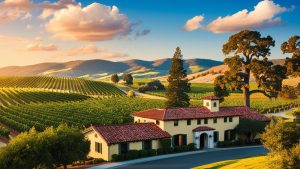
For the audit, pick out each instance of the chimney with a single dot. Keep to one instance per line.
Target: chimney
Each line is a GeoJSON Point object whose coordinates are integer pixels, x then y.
{"type": "Point", "coordinates": [212, 103]}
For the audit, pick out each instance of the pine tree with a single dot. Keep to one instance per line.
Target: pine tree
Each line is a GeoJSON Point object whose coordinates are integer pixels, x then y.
{"type": "Point", "coordinates": [178, 83]}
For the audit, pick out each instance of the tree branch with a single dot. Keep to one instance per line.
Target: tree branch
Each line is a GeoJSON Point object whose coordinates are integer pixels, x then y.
{"type": "Point", "coordinates": [261, 91]}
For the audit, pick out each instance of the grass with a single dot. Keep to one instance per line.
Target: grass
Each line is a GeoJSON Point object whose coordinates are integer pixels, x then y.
{"type": "Point", "coordinates": [256, 162]}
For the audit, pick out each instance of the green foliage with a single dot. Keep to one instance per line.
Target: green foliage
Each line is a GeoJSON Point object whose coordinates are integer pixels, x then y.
{"type": "Point", "coordinates": [115, 157]}
{"type": "Point", "coordinates": [143, 153]}
{"type": "Point", "coordinates": [115, 78]}
{"type": "Point", "coordinates": [283, 143]}
{"type": "Point", "coordinates": [178, 85]}
{"type": "Point", "coordinates": [48, 149]}
{"type": "Point", "coordinates": [288, 92]}
{"type": "Point", "coordinates": [152, 152]}
{"type": "Point", "coordinates": [4, 132]}
{"type": "Point", "coordinates": [11, 96]}
{"type": "Point", "coordinates": [292, 46]}
{"type": "Point", "coordinates": [128, 79]}
{"type": "Point", "coordinates": [80, 114]}
{"type": "Point", "coordinates": [249, 52]}
{"type": "Point", "coordinates": [152, 86]}
{"type": "Point", "coordinates": [165, 143]}
{"type": "Point", "coordinates": [192, 146]}
{"type": "Point", "coordinates": [132, 154]}
{"type": "Point", "coordinates": [68, 85]}
{"type": "Point", "coordinates": [250, 128]}
{"type": "Point", "coordinates": [220, 88]}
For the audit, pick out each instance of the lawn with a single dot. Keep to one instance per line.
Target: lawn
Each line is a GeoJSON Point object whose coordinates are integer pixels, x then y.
{"type": "Point", "coordinates": [256, 162]}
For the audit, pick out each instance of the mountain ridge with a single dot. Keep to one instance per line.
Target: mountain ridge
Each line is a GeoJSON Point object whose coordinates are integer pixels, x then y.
{"type": "Point", "coordinates": [98, 68]}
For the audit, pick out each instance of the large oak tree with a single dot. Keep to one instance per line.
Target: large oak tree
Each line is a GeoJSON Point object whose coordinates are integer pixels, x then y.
{"type": "Point", "coordinates": [247, 53]}
{"type": "Point", "coordinates": [292, 46]}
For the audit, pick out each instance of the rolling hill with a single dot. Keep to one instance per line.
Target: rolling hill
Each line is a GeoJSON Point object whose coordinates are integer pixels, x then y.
{"type": "Point", "coordinates": [103, 68]}
{"type": "Point", "coordinates": [210, 74]}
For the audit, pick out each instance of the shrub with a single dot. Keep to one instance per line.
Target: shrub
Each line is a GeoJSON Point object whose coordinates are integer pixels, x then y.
{"type": "Point", "coordinates": [132, 154]}
{"type": "Point", "coordinates": [98, 160]}
{"type": "Point", "coordinates": [160, 151]}
{"type": "Point", "coordinates": [169, 150]}
{"type": "Point", "coordinates": [4, 132]}
{"type": "Point", "coordinates": [152, 86]}
{"type": "Point", "coordinates": [122, 157]}
{"type": "Point", "coordinates": [185, 148]}
{"type": "Point", "coordinates": [115, 157]}
{"type": "Point", "coordinates": [192, 146]}
{"type": "Point", "coordinates": [178, 149]}
{"type": "Point", "coordinates": [131, 93]}
{"type": "Point", "coordinates": [165, 143]}
{"type": "Point", "coordinates": [143, 153]}
{"type": "Point", "coordinates": [152, 152]}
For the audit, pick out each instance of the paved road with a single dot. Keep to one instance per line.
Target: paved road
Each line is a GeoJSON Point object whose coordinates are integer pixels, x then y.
{"type": "Point", "coordinates": [190, 161]}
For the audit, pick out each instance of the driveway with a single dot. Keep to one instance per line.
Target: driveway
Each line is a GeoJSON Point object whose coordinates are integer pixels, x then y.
{"type": "Point", "coordinates": [194, 160]}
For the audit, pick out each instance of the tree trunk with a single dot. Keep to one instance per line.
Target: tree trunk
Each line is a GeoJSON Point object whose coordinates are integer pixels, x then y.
{"type": "Point", "coordinates": [246, 96]}
{"type": "Point", "coordinates": [65, 166]}
{"type": "Point", "coordinates": [246, 87]}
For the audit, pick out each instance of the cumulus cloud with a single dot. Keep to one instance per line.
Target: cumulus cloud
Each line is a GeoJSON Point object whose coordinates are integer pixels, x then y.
{"type": "Point", "coordinates": [193, 23]}
{"type": "Point", "coordinates": [11, 10]}
{"type": "Point", "coordinates": [50, 8]}
{"type": "Point", "coordinates": [264, 15]}
{"type": "Point", "coordinates": [84, 50]}
{"type": "Point", "coordinates": [95, 22]}
{"type": "Point", "coordinates": [41, 47]}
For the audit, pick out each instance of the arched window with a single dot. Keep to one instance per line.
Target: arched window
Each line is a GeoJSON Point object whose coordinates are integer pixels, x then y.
{"type": "Point", "coordinates": [215, 104]}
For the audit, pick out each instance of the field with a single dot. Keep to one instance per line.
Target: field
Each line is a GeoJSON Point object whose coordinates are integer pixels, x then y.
{"type": "Point", "coordinates": [66, 85]}
{"type": "Point", "coordinates": [80, 114]}
{"type": "Point", "coordinates": [258, 101]}
{"type": "Point", "coordinates": [257, 162]}
{"type": "Point", "coordinates": [16, 96]}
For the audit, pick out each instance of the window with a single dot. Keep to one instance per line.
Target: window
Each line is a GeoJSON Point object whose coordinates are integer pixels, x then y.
{"type": "Point", "coordinates": [98, 147]}
{"type": "Point", "coordinates": [216, 136]}
{"type": "Point", "coordinates": [179, 140]}
{"type": "Point", "coordinates": [205, 121]}
{"type": "Point", "coordinates": [123, 148]}
{"type": "Point", "coordinates": [176, 123]}
{"type": "Point", "coordinates": [198, 121]}
{"type": "Point", "coordinates": [230, 119]}
{"type": "Point", "coordinates": [229, 135]}
{"type": "Point", "coordinates": [225, 119]}
{"type": "Point", "coordinates": [147, 145]}
{"type": "Point", "coordinates": [157, 122]}
{"type": "Point", "coordinates": [188, 122]}
{"type": "Point", "coordinates": [215, 120]}
{"type": "Point", "coordinates": [215, 104]}
{"type": "Point", "coordinates": [207, 103]}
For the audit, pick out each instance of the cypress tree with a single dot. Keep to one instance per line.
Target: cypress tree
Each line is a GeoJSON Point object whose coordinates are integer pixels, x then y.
{"type": "Point", "coordinates": [178, 83]}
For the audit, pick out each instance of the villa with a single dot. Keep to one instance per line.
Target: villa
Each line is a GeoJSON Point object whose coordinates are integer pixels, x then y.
{"type": "Point", "coordinates": [204, 126]}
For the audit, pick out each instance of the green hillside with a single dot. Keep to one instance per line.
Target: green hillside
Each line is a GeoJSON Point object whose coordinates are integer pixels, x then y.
{"type": "Point", "coordinates": [80, 114]}
{"type": "Point", "coordinates": [17, 96]}
{"type": "Point", "coordinates": [66, 85]}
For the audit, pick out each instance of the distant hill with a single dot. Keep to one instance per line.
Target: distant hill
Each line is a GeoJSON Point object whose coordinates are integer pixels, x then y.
{"type": "Point", "coordinates": [104, 68]}
{"type": "Point", "coordinates": [210, 74]}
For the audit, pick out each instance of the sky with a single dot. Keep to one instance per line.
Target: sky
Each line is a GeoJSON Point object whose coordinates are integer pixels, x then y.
{"type": "Point", "coordinates": [36, 31]}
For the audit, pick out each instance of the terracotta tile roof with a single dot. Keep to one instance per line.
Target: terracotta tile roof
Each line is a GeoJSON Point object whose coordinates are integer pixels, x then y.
{"type": "Point", "coordinates": [200, 112]}
{"type": "Point", "coordinates": [211, 98]}
{"type": "Point", "coordinates": [114, 134]}
{"type": "Point", "coordinates": [203, 128]}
